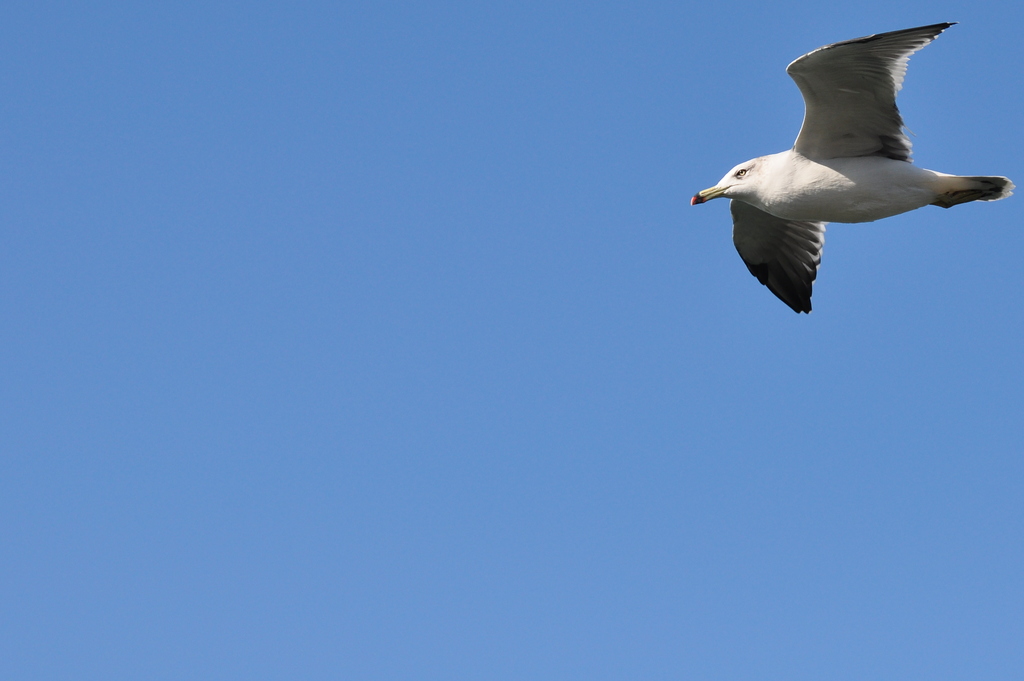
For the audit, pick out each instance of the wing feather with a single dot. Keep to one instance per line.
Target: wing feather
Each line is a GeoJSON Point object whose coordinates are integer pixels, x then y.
{"type": "Point", "coordinates": [849, 91]}
{"type": "Point", "coordinates": [783, 254]}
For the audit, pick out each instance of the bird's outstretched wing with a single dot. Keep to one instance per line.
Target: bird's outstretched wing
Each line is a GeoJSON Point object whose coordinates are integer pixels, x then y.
{"type": "Point", "coordinates": [783, 254]}
{"type": "Point", "coordinates": [849, 91]}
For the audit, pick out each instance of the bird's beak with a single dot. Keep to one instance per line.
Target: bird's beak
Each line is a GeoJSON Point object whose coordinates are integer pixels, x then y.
{"type": "Point", "coordinates": [707, 195]}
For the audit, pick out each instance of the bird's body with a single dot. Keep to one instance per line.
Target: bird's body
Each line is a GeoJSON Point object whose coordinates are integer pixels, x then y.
{"type": "Point", "coordinates": [859, 189]}
{"type": "Point", "coordinates": [850, 163]}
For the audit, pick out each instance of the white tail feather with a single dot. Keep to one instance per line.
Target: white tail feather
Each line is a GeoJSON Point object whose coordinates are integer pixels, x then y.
{"type": "Point", "coordinates": [957, 189]}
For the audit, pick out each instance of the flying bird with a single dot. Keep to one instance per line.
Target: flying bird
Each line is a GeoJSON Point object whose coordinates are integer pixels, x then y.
{"type": "Point", "coordinates": [850, 163]}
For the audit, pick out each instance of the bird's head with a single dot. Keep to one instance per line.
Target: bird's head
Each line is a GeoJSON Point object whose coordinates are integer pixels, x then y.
{"type": "Point", "coordinates": [737, 183]}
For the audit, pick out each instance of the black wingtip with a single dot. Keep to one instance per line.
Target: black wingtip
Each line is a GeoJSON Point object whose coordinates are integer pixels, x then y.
{"type": "Point", "coordinates": [933, 29]}
{"type": "Point", "coordinates": [792, 295]}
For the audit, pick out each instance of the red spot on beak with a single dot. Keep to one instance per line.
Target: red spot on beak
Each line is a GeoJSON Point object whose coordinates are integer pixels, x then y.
{"type": "Point", "coordinates": [697, 198]}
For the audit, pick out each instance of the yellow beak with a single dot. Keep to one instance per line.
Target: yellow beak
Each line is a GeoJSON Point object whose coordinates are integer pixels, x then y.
{"type": "Point", "coordinates": [707, 195]}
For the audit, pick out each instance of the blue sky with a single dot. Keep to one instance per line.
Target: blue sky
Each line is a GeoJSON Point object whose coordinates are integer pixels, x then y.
{"type": "Point", "coordinates": [380, 341]}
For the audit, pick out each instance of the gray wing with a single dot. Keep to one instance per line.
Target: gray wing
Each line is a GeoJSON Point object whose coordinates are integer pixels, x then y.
{"type": "Point", "coordinates": [849, 91]}
{"type": "Point", "coordinates": [783, 254]}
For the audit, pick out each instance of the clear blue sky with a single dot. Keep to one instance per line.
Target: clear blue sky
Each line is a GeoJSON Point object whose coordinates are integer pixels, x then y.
{"type": "Point", "coordinates": [379, 341]}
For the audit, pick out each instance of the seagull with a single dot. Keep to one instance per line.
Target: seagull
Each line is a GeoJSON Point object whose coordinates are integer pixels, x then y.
{"type": "Point", "coordinates": [850, 163]}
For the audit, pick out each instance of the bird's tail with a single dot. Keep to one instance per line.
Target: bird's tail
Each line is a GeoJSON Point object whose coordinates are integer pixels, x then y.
{"type": "Point", "coordinates": [956, 189]}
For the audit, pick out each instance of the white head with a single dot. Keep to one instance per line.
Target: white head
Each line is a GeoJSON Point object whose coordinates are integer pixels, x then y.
{"type": "Point", "coordinates": [738, 183]}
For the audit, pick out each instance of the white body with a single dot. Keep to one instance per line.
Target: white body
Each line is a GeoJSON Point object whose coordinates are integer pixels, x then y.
{"type": "Point", "coordinates": [860, 189]}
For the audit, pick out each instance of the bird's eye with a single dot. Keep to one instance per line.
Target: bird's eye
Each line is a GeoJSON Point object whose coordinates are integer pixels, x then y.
{"type": "Point", "coordinates": [741, 172]}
